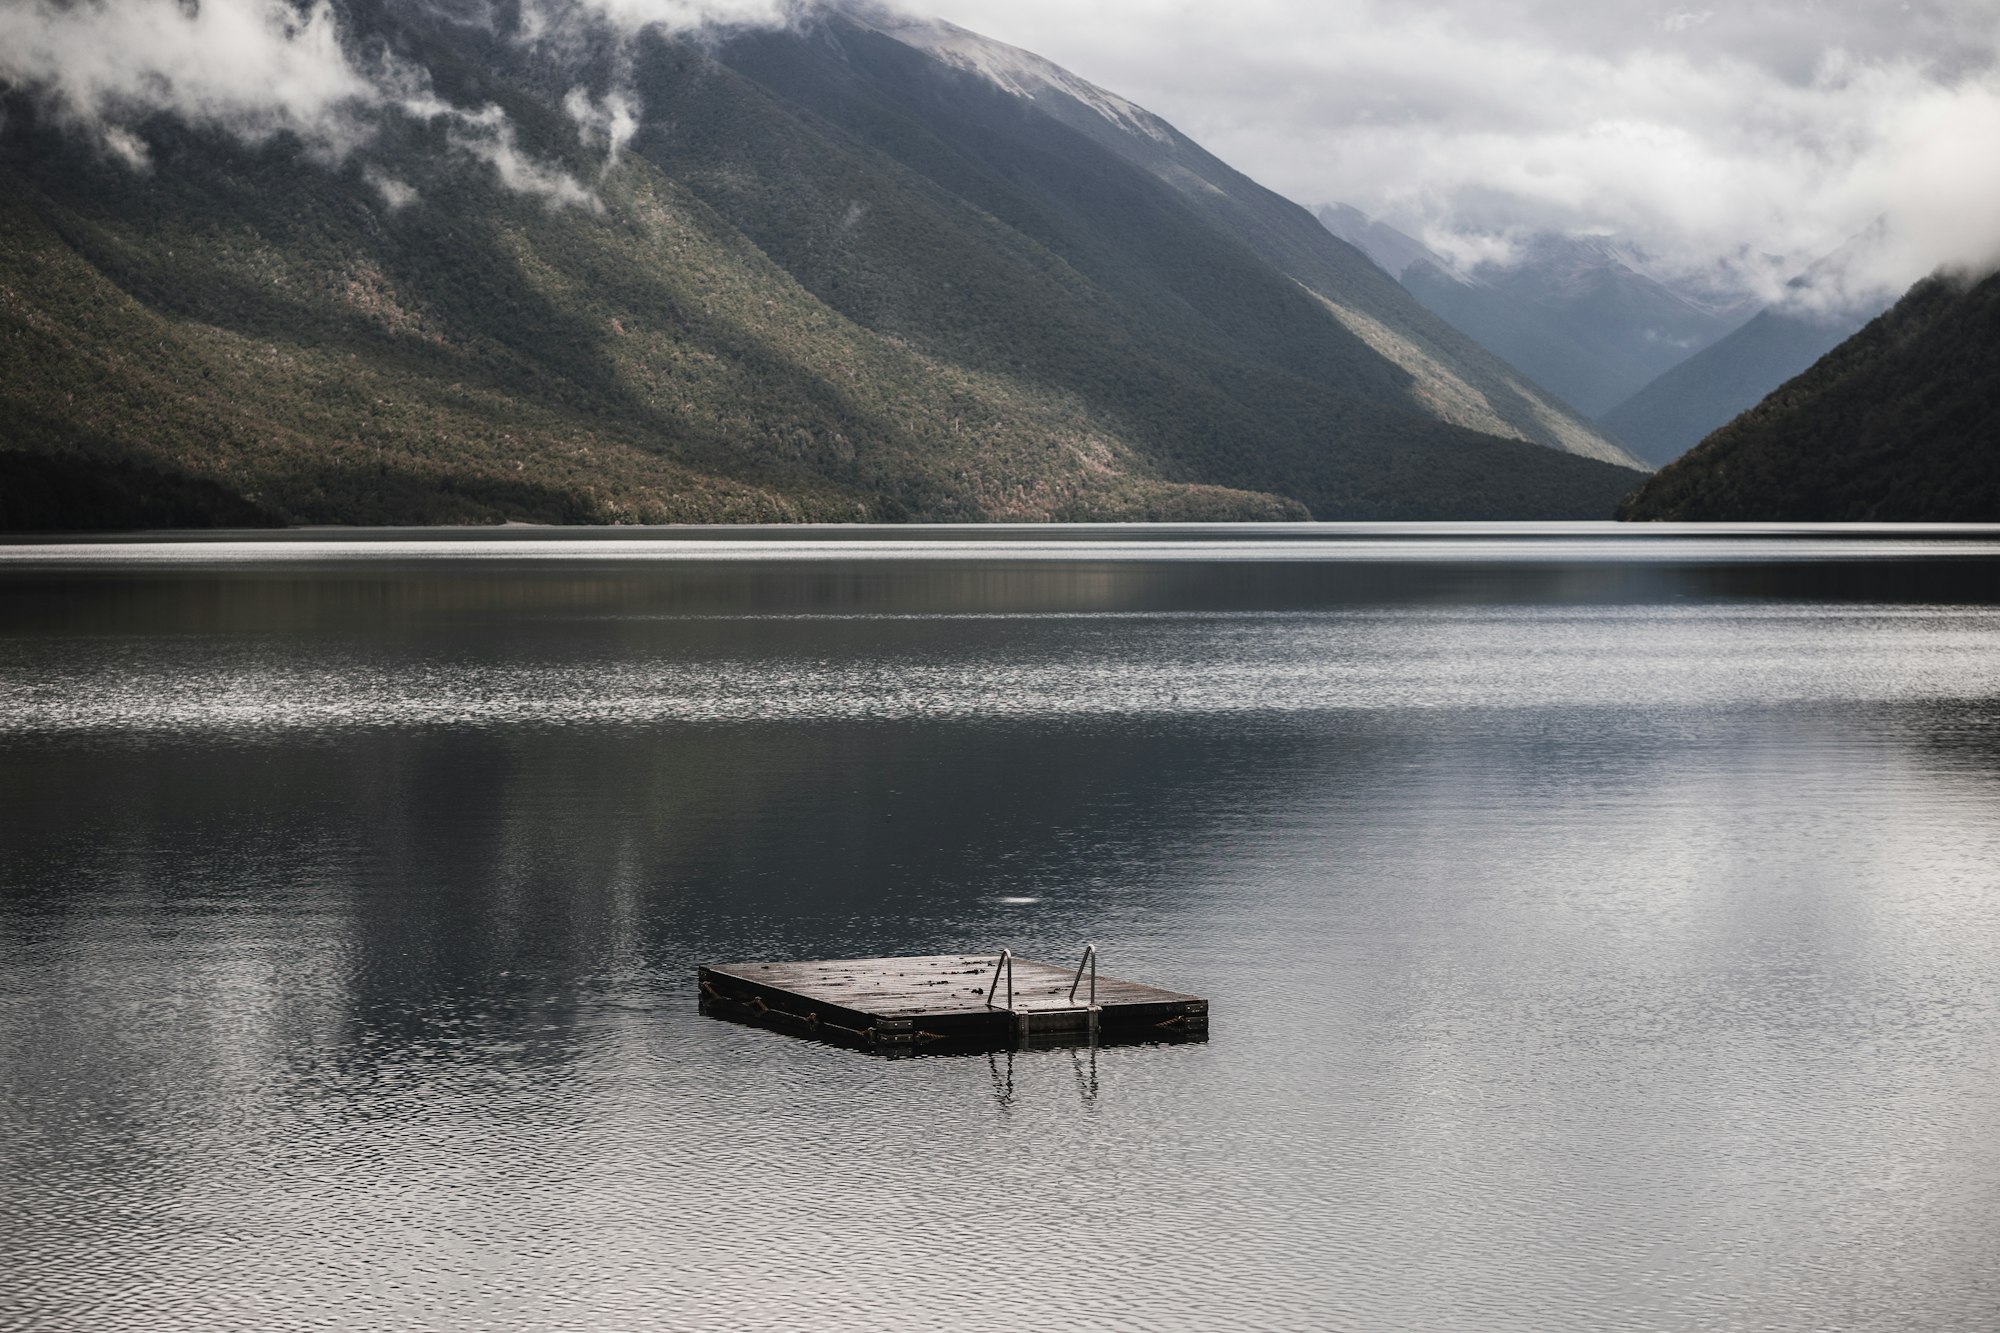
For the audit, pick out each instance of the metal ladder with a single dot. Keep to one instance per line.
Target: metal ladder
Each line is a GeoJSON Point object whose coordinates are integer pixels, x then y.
{"type": "Point", "coordinates": [1029, 1022]}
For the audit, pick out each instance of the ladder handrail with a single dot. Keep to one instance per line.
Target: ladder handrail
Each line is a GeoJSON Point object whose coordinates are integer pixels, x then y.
{"type": "Point", "coordinates": [1005, 960]}
{"type": "Point", "coordinates": [1090, 958]}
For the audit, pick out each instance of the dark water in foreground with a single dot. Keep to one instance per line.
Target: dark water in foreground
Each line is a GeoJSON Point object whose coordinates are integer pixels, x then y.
{"type": "Point", "coordinates": [1600, 933]}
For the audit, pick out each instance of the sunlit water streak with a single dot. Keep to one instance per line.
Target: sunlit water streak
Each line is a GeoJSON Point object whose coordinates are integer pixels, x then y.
{"type": "Point", "coordinates": [1110, 665]}
{"type": "Point", "coordinates": [1585, 954]}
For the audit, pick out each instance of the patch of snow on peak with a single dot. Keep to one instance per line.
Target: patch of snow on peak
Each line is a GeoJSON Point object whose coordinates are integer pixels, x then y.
{"type": "Point", "coordinates": [1021, 73]}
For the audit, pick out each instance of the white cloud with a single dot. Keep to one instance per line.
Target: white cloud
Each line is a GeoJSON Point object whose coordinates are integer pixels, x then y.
{"type": "Point", "coordinates": [609, 123]}
{"type": "Point", "coordinates": [1682, 20]}
{"type": "Point", "coordinates": [253, 69]}
{"type": "Point", "coordinates": [1469, 250]}
{"type": "Point", "coordinates": [489, 136]}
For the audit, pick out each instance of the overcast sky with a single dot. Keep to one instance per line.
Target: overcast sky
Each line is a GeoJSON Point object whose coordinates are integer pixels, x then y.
{"type": "Point", "coordinates": [1782, 125]}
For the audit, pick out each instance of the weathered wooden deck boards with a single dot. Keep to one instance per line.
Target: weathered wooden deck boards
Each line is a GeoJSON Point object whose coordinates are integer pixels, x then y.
{"type": "Point", "coordinates": [942, 999]}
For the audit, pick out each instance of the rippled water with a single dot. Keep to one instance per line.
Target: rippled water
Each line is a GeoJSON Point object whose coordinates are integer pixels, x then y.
{"type": "Point", "coordinates": [1601, 933]}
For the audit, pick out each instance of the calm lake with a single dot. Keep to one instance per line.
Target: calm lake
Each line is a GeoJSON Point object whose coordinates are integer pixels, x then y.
{"type": "Point", "coordinates": [1602, 930]}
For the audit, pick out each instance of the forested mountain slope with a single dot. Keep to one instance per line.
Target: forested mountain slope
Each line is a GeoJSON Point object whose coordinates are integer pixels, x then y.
{"type": "Point", "coordinates": [832, 277]}
{"type": "Point", "coordinates": [1451, 376]}
{"type": "Point", "coordinates": [1899, 423]}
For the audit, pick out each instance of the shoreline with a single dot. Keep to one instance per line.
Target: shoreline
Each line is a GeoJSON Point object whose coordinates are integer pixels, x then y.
{"type": "Point", "coordinates": [1003, 534]}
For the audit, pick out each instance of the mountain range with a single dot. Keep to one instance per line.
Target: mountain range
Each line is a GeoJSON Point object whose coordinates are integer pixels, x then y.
{"type": "Point", "coordinates": [1579, 315]}
{"type": "Point", "coordinates": [859, 266]}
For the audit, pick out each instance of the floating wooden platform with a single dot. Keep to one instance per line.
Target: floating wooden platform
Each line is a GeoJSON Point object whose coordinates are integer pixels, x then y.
{"type": "Point", "coordinates": [947, 1001]}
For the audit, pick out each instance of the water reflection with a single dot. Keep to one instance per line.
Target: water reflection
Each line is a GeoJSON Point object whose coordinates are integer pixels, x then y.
{"type": "Point", "coordinates": [1622, 959]}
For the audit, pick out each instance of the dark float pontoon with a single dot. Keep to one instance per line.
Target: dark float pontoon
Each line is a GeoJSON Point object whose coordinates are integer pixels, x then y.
{"type": "Point", "coordinates": [944, 1002]}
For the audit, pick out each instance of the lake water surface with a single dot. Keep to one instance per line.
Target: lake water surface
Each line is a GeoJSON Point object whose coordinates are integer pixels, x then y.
{"type": "Point", "coordinates": [1602, 930]}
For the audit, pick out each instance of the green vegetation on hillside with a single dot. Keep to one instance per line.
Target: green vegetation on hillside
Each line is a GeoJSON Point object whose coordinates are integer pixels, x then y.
{"type": "Point", "coordinates": [764, 316]}
{"type": "Point", "coordinates": [259, 321]}
{"type": "Point", "coordinates": [1900, 423]}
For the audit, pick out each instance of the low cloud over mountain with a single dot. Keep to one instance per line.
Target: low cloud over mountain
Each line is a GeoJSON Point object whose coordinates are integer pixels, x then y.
{"type": "Point", "coordinates": [1763, 134]}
